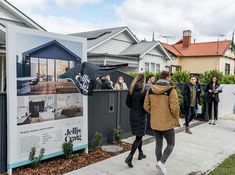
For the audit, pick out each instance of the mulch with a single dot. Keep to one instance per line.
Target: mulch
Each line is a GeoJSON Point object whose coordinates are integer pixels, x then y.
{"type": "Point", "coordinates": [60, 165]}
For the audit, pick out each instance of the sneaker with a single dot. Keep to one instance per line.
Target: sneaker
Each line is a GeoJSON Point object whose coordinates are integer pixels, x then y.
{"type": "Point", "coordinates": [161, 168]}
{"type": "Point", "coordinates": [210, 122]}
{"type": "Point", "coordinates": [214, 123]}
{"type": "Point", "coordinates": [188, 131]}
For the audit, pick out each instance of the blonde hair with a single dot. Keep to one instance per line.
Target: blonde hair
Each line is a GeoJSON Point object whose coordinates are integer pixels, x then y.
{"type": "Point", "coordinates": [139, 79]}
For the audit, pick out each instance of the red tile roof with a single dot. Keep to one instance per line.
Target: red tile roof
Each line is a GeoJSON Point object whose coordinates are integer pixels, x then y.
{"type": "Point", "coordinates": [199, 49]}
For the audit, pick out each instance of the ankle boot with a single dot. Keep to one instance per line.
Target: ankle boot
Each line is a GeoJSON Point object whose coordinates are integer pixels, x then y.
{"type": "Point", "coordinates": [141, 155]}
{"type": "Point", "coordinates": [187, 130]}
{"type": "Point", "coordinates": [129, 161]}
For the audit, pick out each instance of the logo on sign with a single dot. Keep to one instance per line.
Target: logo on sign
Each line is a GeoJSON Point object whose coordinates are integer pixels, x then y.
{"type": "Point", "coordinates": [73, 134]}
{"type": "Point", "coordinates": [84, 82]}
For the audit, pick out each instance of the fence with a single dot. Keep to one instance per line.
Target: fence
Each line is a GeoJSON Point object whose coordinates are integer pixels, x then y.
{"type": "Point", "coordinates": [106, 111]}
{"type": "Point", "coordinates": [3, 133]}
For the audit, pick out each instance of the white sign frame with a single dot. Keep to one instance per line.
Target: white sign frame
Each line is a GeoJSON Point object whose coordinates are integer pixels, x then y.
{"type": "Point", "coordinates": [11, 31]}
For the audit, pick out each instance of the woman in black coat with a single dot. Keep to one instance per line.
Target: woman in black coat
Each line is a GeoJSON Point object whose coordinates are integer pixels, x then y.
{"type": "Point", "coordinates": [135, 101]}
{"type": "Point", "coordinates": [213, 91]}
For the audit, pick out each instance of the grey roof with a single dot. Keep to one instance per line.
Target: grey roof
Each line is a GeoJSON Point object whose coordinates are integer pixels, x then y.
{"type": "Point", "coordinates": [96, 36]}
{"type": "Point", "coordinates": [140, 48]}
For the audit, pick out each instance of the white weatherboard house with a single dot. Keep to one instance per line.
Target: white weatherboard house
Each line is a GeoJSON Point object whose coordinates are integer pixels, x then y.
{"type": "Point", "coordinates": [11, 15]}
{"type": "Point", "coordinates": [119, 45]}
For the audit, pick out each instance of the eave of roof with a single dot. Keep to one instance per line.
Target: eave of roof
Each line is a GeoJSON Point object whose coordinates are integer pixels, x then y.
{"type": "Point", "coordinates": [112, 55]}
{"type": "Point", "coordinates": [21, 15]}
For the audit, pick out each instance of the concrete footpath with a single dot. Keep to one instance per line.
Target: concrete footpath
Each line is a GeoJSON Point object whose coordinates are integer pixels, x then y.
{"type": "Point", "coordinates": [200, 152]}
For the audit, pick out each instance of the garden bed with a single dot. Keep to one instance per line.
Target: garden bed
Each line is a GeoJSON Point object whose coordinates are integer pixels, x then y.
{"type": "Point", "coordinates": [60, 165]}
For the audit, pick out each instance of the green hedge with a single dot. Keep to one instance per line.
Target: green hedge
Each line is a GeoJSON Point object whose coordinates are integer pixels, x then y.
{"type": "Point", "coordinates": [183, 77]}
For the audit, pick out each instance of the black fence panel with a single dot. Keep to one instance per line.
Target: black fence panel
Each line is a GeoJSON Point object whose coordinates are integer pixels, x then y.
{"type": "Point", "coordinates": [106, 111]}
{"type": "Point", "coordinates": [3, 133]}
{"type": "Point", "coordinates": [124, 120]}
{"type": "Point", "coordinates": [102, 114]}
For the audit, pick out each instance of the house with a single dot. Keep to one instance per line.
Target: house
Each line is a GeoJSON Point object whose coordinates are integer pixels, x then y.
{"type": "Point", "coordinates": [119, 45]}
{"type": "Point", "coordinates": [11, 15]}
{"type": "Point", "coordinates": [200, 57]}
{"type": "Point", "coordinates": [152, 56]}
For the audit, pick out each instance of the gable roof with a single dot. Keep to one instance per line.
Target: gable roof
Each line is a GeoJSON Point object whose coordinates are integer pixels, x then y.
{"type": "Point", "coordinates": [98, 37]}
{"type": "Point", "coordinates": [216, 48]}
{"type": "Point", "coordinates": [20, 15]}
{"type": "Point", "coordinates": [142, 48]}
{"type": "Point", "coordinates": [52, 49]}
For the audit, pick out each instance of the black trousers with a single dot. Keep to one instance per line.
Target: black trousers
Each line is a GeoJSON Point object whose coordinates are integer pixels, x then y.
{"type": "Point", "coordinates": [211, 103]}
{"type": "Point", "coordinates": [170, 139]}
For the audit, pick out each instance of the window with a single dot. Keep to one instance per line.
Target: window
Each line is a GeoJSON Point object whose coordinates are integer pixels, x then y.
{"type": "Point", "coordinates": [49, 69]}
{"type": "Point", "coordinates": [146, 67]}
{"type": "Point", "coordinates": [158, 68]}
{"type": "Point", "coordinates": [42, 70]}
{"type": "Point", "coordinates": [152, 68]}
{"type": "Point", "coordinates": [61, 67]}
{"type": "Point", "coordinates": [227, 68]}
{"type": "Point", "coordinates": [167, 68]}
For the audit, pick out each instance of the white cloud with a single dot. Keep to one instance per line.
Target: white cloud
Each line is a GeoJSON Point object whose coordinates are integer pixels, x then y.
{"type": "Point", "coordinates": [75, 4]}
{"type": "Point", "coordinates": [63, 25]}
{"type": "Point", "coordinates": [204, 17]}
{"type": "Point", "coordinates": [29, 5]}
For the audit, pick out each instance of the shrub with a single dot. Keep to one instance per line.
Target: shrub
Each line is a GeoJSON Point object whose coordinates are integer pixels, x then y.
{"type": "Point", "coordinates": [36, 160]}
{"type": "Point", "coordinates": [157, 76]}
{"type": "Point", "coordinates": [180, 77]}
{"type": "Point", "coordinates": [180, 96]}
{"type": "Point", "coordinates": [96, 140]}
{"type": "Point", "coordinates": [228, 79]}
{"type": "Point", "coordinates": [146, 74]}
{"type": "Point", "coordinates": [117, 133]}
{"type": "Point", "coordinates": [206, 76]}
{"type": "Point", "coordinates": [132, 74]}
{"type": "Point", "coordinates": [68, 149]}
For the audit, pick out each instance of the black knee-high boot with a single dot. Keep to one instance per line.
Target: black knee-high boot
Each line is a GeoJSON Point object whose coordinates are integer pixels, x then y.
{"type": "Point", "coordinates": [141, 154]}
{"type": "Point", "coordinates": [134, 147]}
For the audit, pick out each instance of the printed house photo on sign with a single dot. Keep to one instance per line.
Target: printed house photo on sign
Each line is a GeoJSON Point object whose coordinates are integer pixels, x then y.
{"type": "Point", "coordinates": [42, 95]}
{"type": "Point", "coordinates": [39, 68]}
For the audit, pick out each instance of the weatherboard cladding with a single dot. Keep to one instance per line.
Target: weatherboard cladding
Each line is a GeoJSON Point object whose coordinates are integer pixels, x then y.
{"type": "Point", "coordinates": [109, 33]}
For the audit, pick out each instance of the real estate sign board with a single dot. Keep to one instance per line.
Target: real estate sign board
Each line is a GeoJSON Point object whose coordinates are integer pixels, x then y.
{"type": "Point", "coordinates": [43, 111]}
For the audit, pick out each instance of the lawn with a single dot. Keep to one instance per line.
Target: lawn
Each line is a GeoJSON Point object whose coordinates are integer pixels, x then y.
{"type": "Point", "coordinates": [226, 168]}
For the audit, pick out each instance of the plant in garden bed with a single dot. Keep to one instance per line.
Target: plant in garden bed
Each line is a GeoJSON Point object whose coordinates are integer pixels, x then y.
{"type": "Point", "coordinates": [117, 133]}
{"type": "Point", "coordinates": [96, 140]}
{"type": "Point", "coordinates": [36, 160]}
{"type": "Point", "coordinates": [68, 150]}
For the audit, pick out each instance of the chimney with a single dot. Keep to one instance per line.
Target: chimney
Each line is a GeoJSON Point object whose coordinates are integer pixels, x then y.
{"type": "Point", "coordinates": [187, 38]}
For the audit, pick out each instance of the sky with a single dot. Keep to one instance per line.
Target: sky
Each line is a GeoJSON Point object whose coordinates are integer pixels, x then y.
{"type": "Point", "coordinates": [209, 20]}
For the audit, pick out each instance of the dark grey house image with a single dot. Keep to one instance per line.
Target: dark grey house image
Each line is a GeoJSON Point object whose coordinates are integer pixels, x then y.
{"type": "Point", "coordinates": [39, 69]}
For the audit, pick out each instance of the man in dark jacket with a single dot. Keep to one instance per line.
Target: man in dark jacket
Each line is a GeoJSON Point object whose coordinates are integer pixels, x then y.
{"type": "Point", "coordinates": [190, 102]}
{"type": "Point", "coordinates": [106, 82]}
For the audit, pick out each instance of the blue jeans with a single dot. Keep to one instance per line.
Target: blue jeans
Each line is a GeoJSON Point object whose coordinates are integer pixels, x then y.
{"type": "Point", "coordinates": [190, 114]}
